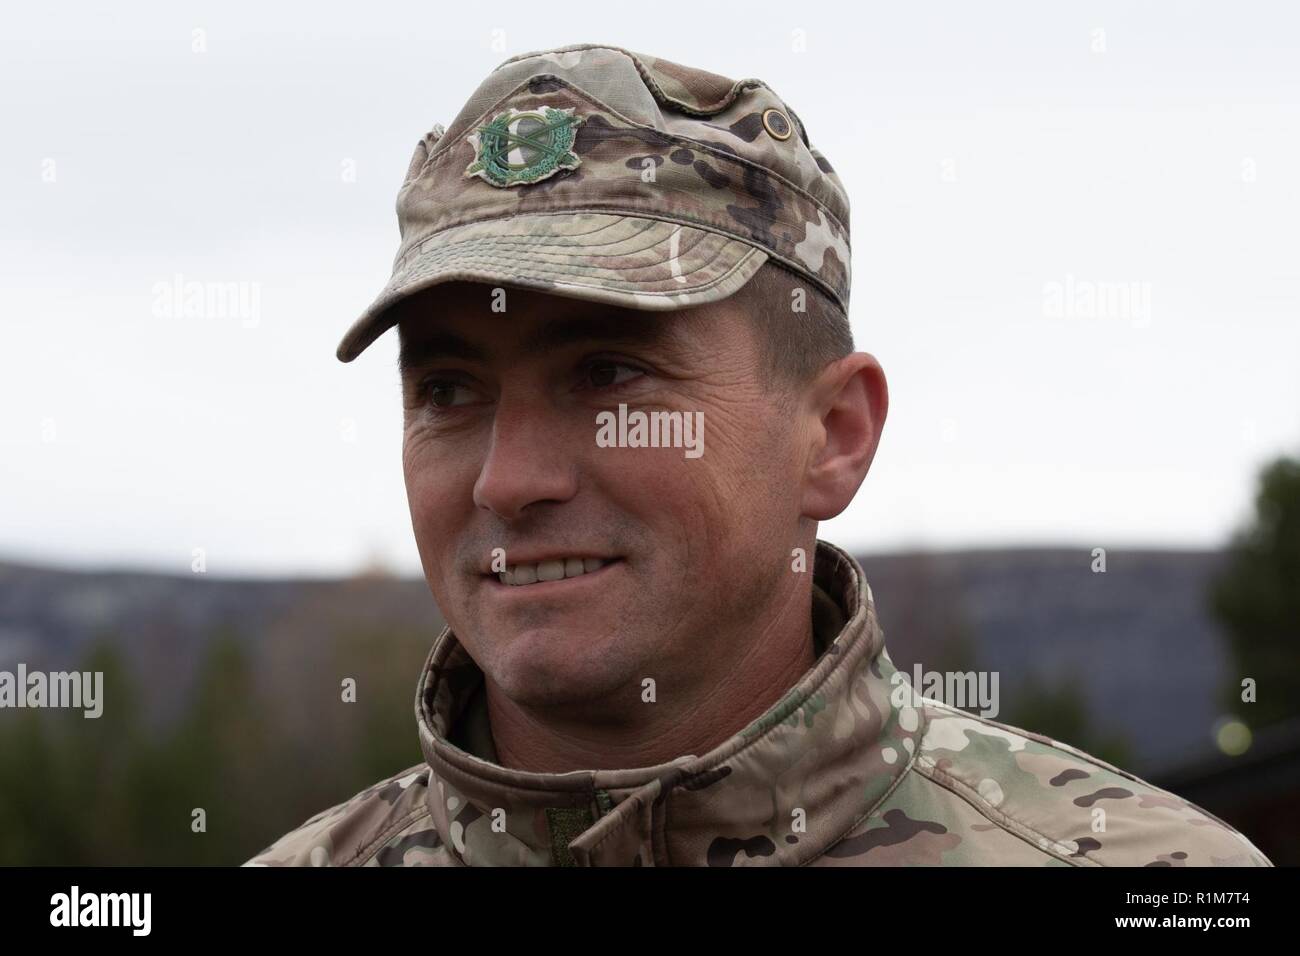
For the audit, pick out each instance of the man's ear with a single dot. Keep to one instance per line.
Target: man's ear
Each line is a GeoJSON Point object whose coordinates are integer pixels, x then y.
{"type": "Point", "coordinates": [848, 402]}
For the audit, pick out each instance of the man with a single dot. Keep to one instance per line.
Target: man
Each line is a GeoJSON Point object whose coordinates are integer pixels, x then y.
{"type": "Point", "coordinates": [630, 395]}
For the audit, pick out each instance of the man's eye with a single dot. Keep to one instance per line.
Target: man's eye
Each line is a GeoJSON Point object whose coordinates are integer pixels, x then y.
{"type": "Point", "coordinates": [605, 374]}
{"type": "Point", "coordinates": [442, 394]}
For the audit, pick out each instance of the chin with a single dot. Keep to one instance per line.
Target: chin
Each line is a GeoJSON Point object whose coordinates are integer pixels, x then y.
{"type": "Point", "coordinates": [545, 668]}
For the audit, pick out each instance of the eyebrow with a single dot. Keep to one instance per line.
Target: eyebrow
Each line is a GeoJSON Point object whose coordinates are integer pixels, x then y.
{"type": "Point", "coordinates": [437, 344]}
{"type": "Point", "coordinates": [641, 329]}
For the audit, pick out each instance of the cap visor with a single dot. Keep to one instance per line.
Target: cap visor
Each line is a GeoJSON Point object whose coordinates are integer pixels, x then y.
{"type": "Point", "coordinates": [628, 261]}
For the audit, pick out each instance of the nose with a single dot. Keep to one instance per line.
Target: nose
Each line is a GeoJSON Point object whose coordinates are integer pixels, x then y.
{"type": "Point", "coordinates": [530, 459]}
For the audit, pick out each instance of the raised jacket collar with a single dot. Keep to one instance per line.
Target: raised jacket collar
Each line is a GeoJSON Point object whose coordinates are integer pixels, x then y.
{"type": "Point", "coordinates": [781, 791]}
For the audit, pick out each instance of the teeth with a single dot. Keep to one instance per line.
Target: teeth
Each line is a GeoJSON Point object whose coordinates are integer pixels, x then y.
{"type": "Point", "coordinates": [555, 570]}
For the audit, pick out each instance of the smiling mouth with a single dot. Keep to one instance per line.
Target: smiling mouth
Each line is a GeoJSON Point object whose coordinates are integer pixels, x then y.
{"type": "Point", "coordinates": [545, 572]}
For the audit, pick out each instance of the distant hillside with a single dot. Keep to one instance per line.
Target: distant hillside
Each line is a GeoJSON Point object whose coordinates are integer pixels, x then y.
{"type": "Point", "coordinates": [163, 624]}
{"type": "Point", "coordinates": [1136, 641]}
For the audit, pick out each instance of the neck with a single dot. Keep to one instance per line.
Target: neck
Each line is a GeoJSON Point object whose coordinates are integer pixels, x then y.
{"type": "Point", "coordinates": [759, 663]}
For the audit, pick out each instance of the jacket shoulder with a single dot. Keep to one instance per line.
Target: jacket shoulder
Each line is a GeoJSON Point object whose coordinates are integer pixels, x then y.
{"type": "Point", "coordinates": [386, 824]}
{"type": "Point", "coordinates": [1070, 804]}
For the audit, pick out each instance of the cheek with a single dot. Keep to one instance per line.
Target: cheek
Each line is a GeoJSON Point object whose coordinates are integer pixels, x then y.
{"type": "Point", "coordinates": [747, 486]}
{"type": "Point", "coordinates": [436, 492]}
{"type": "Point", "coordinates": [696, 510]}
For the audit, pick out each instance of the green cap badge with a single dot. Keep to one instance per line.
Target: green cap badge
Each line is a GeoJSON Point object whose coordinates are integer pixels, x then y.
{"type": "Point", "coordinates": [524, 146]}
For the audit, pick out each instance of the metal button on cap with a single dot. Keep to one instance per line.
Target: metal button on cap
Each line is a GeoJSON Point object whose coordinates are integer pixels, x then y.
{"type": "Point", "coordinates": [777, 124]}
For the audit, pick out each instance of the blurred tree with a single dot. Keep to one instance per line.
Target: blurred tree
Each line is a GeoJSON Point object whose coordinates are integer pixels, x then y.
{"type": "Point", "coordinates": [111, 792]}
{"type": "Point", "coordinates": [381, 723]}
{"type": "Point", "coordinates": [63, 793]}
{"type": "Point", "coordinates": [957, 652]}
{"type": "Point", "coordinates": [1060, 711]}
{"type": "Point", "coordinates": [1257, 600]}
{"type": "Point", "coordinates": [29, 795]}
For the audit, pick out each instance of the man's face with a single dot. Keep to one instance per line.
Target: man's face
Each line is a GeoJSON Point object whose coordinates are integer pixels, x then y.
{"type": "Point", "coordinates": [500, 451]}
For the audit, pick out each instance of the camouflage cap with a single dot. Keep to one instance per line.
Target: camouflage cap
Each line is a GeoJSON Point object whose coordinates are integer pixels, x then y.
{"type": "Point", "coordinates": [596, 173]}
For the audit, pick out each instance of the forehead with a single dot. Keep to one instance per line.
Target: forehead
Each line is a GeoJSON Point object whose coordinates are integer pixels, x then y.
{"type": "Point", "coordinates": [476, 322]}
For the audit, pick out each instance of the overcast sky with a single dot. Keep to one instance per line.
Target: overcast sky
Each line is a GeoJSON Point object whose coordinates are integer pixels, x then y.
{"type": "Point", "coordinates": [1005, 161]}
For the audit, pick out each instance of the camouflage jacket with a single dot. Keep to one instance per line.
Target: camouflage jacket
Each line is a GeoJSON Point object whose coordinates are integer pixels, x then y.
{"type": "Point", "coordinates": [849, 768]}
